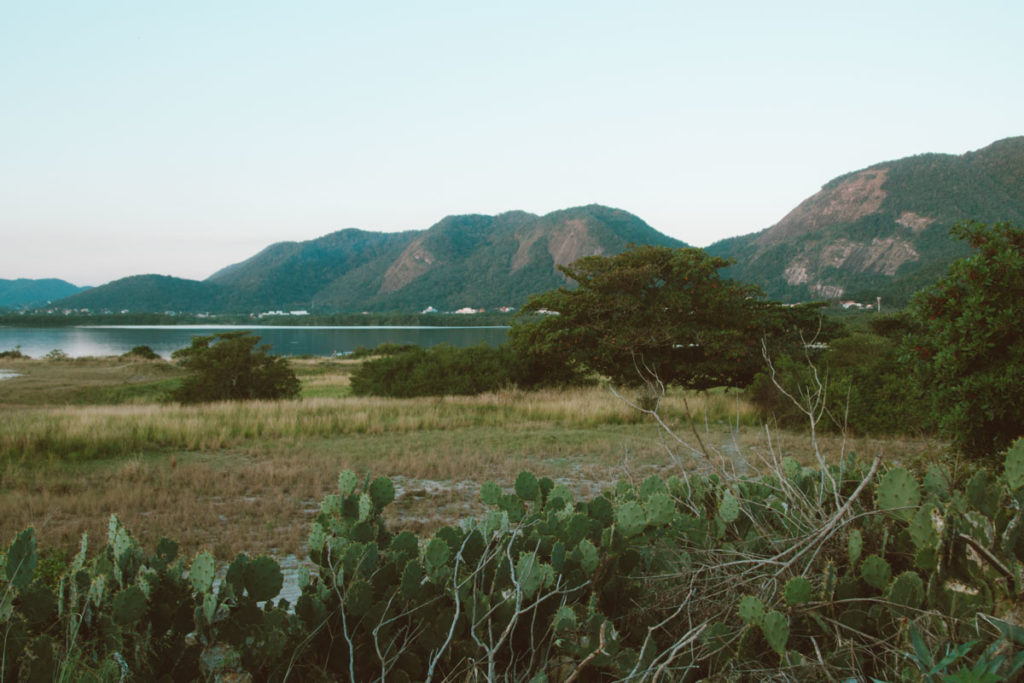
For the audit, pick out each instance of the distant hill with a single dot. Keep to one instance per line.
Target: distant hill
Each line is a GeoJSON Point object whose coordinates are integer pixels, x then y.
{"type": "Point", "coordinates": [884, 230]}
{"type": "Point", "coordinates": [155, 293]}
{"type": "Point", "coordinates": [25, 293]}
{"type": "Point", "coordinates": [462, 261]}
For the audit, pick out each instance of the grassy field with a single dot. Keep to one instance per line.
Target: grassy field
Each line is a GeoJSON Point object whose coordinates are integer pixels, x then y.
{"type": "Point", "coordinates": [81, 439]}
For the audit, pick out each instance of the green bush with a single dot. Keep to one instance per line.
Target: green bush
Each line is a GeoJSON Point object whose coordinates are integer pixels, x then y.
{"type": "Point", "coordinates": [444, 370]}
{"type": "Point", "coordinates": [230, 367]}
{"type": "Point", "coordinates": [970, 344]}
{"type": "Point", "coordinates": [142, 351]}
{"type": "Point", "coordinates": [868, 389]}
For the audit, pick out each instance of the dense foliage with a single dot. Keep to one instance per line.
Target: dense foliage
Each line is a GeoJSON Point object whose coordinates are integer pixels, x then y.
{"type": "Point", "coordinates": [859, 382]}
{"type": "Point", "coordinates": [844, 572]}
{"type": "Point", "coordinates": [231, 367]}
{"type": "Point", "coordinates": [660, 314]}
{"type": "Point", "coordinates": [970, 348]}
{"type": "Point", "coordinates": [445, 370]}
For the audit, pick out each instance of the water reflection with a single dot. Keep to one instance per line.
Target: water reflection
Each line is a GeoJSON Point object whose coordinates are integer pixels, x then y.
{"type": "Point", "coordinates": [77, 342]}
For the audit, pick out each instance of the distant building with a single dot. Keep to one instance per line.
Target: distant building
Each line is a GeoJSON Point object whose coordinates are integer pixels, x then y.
{"type": "Point", "coordinates": [429, 309]}
{"type": "Point", "coordinates": [466, 311]}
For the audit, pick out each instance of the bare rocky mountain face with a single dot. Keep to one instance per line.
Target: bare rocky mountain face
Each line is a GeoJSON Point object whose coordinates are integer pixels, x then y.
{"type": "Point", "coordinates": [884, 230]}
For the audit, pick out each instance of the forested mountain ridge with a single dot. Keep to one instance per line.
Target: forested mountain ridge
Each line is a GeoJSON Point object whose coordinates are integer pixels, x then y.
{"type": "Point", "coordinates": [883, 230]}
{"type": "Point", "coordinates": [28, 293]}
{"type": "Point", "coordinates": [472, 260]}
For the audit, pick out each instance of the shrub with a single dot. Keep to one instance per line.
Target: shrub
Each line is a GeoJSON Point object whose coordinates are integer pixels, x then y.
{"type": "Point", "coordinates": [230, 367]}
{"type": "Point", "coordinates": [970, 348]}
{"type": "Point", "coordinates": [13, 353]}
{"type": "Point", "coordinates": [142, 351]}
{"type": "Point", "coordinates": [868, 390]}
{"type": "Point", "coordinates": [438, 371]}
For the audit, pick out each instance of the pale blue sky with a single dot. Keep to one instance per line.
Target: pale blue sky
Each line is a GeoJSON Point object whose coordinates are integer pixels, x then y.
{"type": "Point", "coordinates": [177, 137]}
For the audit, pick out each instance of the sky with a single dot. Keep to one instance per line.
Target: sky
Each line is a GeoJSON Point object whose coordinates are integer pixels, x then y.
{"type": "Point", "coordinates": [176, 138]}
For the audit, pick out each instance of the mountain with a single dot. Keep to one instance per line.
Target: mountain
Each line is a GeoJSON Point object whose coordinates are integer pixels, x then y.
{"type": "Point", "coordinates": [470, 260]}
{"type": "Point", "coordinates": [25, 293]}
{"type": "Point", "coordinates": [883, 230]}
{"type": "Point", "coordinates": [156, 293]}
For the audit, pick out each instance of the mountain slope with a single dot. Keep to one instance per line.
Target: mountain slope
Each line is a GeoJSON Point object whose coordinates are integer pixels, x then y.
{"type": "Point", "coordinates": [884, 230]}
{"type": "Point", "coordinates": [470, 260]}
{"type": "Point", "coordinates": [150, 293]}
{"type": "Point", "coordinates": [26, 293]}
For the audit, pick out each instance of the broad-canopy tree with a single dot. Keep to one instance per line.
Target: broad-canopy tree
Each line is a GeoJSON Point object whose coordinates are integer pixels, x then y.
{"type": "Point", "coordinates": [657, 313]}
{"type": "Point", "coordinates": [970, 343]}
{"type": "Point", "coordinates": [231, 367]}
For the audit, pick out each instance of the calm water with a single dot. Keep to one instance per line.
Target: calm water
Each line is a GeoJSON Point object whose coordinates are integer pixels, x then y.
{"type": "Point", "coordinates": [286, 341]}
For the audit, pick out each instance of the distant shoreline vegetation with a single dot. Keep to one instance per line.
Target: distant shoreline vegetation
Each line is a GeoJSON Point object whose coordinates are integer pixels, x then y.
{"type": "Point", "coordinates": [36, 319]}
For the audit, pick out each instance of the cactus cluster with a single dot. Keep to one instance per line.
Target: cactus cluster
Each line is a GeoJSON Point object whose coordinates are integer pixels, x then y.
{"type": "Point", "coordinates": [541, 567]}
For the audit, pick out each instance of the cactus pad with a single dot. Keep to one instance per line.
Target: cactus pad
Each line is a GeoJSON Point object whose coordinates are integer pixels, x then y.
{"type": "Point", "coordinates": [983, 494]}
{"type": "Point", "coordinates": [775, 627]}
{"type": "Point", "coordinates": [651, 485]}
{"type": "Point", "coordinates": [898, 493]}
{"type": "Point", "coordinates": [629, 518]}
{"type": "Point", "coordinates": [588, 556]}
{"type": "Point", "coordinates": [490, 493]}
{"type": "Point", "coordinates": [660, 508]}
{"type": "Point", "coordinates": [564, 619]}
{"type": "Point", "coordinates": [436, 553]}
{"type": "Point", "coordinates": [358, 598]}
{"type": "Point", "coordinates": [729, 508]}
{"type": "Point", "coordinates": [527, 487]}
{"type": "Point", "coordinates": [798, 591]}
{"type": "Point", "coordinates": [128, 606]}
{"type": "Point", "coordinates": [201, 574]}
{"type": "Point", "coordinates": [906, 593]}
{"type": "Point", "coordinates": [263, 578]}
{"type": "Point", "coordinates": [347, 482]}
{"type": "Point", "coordinates": [22, 559]}
{"type": "Point", "coordinates": [854, 545]}
{"type": "Point", "coordinates": [923, 530]}
{"type": "Point", "coordinates": [751, 610]}
{"type": "Point", "coordinates": [1014, 473]}
{"type": "Point", "coordinates": [875, 571]}
{"type": "Point", "coordinates": [382, 492]}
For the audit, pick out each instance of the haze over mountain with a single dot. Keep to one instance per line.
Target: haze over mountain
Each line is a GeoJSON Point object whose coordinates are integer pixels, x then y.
{"type": "Point", "coordinates": [462, 261]}
{"type": "Point", "coordinates": [883, 230]}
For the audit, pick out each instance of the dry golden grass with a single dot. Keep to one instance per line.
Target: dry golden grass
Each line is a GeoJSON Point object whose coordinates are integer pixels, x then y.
{"type": "Point", "coordinates": [235, 477]}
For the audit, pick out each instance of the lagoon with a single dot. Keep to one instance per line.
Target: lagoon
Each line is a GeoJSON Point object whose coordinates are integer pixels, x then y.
{"type": "Point", "coordinates": [113, 340]}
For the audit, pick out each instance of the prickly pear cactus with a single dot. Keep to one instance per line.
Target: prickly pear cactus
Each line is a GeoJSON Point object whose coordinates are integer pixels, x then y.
{"type": "Point", "coordinates": [490, 493]}
{"type": "Point", "coordinates": [347, 482]}
{"type": "Point", "coordinates": [729, 508]}
{"type": "Point", "coordinates": [382, 492]}
{"type": "Point", "coordinates": [660, 509]}
{"type": "Point", "coordinates": [751, 610]}
{"type": "Point", "coordinates": [263, 578]}
{"type": "Point", "coordinates": [798, 591]}
{"type": "Point", "coordinates": [854, 546]}
{"type": "Point", "coordinates": [1014, 466]}
{"type": "Point", "coordinates": [775, 627]}
{"type": "Point", "coordinates": [875, 571]}
{"type": "Point", "coordinates": [905, 594]}
{"type": "Point", "coordinates": [898, 493]}
{"type": "Point", "coordinates": [527, 487]}
{"type": "Point", "coordinates": [22, 559]}
{"type": "Point", "coordinates": [629, 518]}
{"type": "Point", "coordinates": [201, 574]}
{"type": "Point", "coordinates": [983, 493]}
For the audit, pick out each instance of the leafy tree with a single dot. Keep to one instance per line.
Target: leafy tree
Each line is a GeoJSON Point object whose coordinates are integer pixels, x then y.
{"type": "Point", "coordinates": [230, 367]}
{"type": "Point", "coordinates": [656, 312]}
{"type": "Point", "coordinates": [970, 347]}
